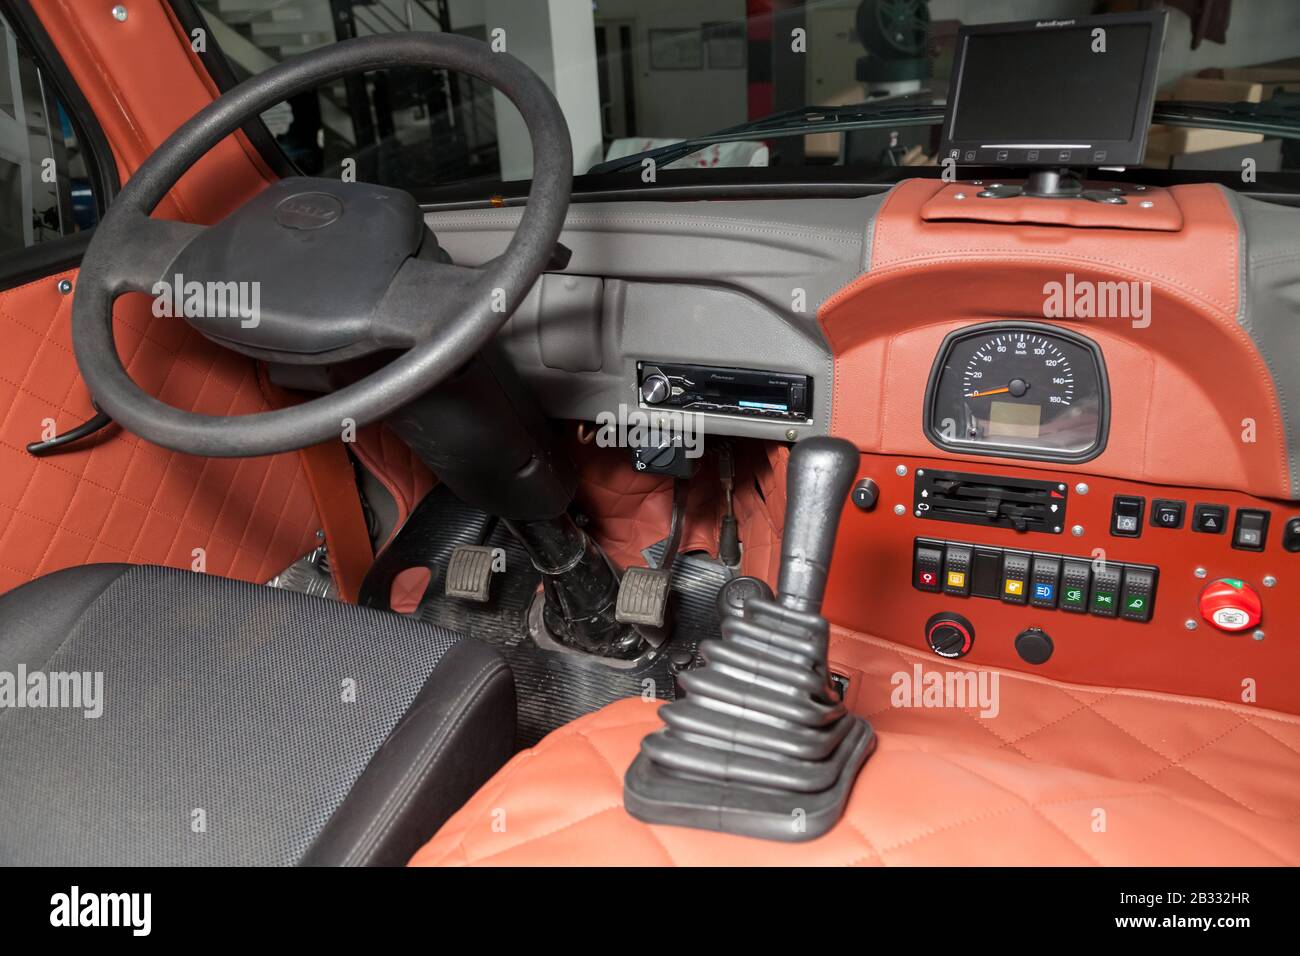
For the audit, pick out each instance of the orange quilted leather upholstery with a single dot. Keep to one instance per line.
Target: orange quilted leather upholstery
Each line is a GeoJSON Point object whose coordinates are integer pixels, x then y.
{"type": "Point", "coordinates": [123, 499]}
{"type": "Point", "coordinates": [1062, 775]}
{"type": "Point", "coordinates": [630, 510]}
{"type": "Point", "coordinates": [396, 467]}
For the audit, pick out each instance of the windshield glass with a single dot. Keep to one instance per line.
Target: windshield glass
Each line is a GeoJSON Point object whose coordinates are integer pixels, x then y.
{"type": "Point", "coordinates": [634, 75]}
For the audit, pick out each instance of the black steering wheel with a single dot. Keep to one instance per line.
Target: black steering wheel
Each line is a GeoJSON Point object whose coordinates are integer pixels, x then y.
{"type": "Point", "coordinates": [342, 269]}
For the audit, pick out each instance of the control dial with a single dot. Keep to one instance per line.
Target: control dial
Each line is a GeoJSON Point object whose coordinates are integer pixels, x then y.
{"type": "Point", "coordinates": [1231, 604]}
{"type": "Point", "coordinates": [949, 635]}
{"type": "Point", "coordinates": [655, 387]}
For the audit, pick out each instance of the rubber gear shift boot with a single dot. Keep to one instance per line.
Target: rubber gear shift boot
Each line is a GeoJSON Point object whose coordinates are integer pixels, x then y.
{"type": "Point", "coordinates": [760, 745]}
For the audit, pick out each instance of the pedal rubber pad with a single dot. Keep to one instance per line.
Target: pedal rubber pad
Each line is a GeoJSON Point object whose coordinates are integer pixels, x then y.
{"type": "Point", "coordinates": [469, 573]}
{"type": "Point", "coordinates": [643, 597]}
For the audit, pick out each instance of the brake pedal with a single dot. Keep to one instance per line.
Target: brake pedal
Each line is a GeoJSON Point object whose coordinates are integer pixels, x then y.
{"type": "Point", "coordinates": [469, 573]}
{"type": "Point", "coordinates": [643, 596]}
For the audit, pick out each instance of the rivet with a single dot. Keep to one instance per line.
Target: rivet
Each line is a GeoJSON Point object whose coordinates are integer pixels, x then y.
{"type": "Point", "coordinates": [959, 196]}
{"type": "Point", "coordinates": [1269, 581]}
{"type": "Point", "coordinates": [65, 286]}
{"type": "Point", "coordinates": [1190, 624]}
{"type": "Point", "coordinates": [1081, 488]}
{"type": "Point", "coordinates": [901, 471]}
{"type": "Point", "coordinates": [1200, 572]}
{"type": "Point", "coordinates": [119, 13]}
{"type": "Point", "coordinates": [1077, 531]}
{"type": "Point", "coordinates": [320, 535]}
{"type": "Point", "coordinates": [900, 510]}
{"type": "Point", "coordinates": [1258, 635]}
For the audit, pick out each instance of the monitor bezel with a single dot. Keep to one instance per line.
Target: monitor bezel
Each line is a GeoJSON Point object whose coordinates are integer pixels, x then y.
{"type": "Point", "coordinates": [1125, 152]}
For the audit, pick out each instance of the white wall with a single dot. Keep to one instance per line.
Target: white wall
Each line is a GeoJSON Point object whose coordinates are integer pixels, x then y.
{"type": "Point", "coordinates": [557, 39]}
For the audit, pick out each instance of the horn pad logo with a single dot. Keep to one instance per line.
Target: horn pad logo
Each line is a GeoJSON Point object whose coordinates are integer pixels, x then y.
{"type": "Point", "coordinates": [308, 211]}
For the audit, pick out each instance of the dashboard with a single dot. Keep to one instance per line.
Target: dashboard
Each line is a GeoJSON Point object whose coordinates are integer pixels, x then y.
{"type": "Point", "coordinates": [1118, 501]}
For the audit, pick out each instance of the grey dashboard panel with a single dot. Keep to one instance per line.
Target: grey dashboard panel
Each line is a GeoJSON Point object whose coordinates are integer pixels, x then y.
{"type": "Point", "coordinates": [708, 282]}
{"type": "Point", "coordinates": [1270, 304]}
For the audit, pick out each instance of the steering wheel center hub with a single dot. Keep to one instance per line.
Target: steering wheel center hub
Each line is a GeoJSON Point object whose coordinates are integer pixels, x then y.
{"type": "Point", "coordinates": [308, 211]}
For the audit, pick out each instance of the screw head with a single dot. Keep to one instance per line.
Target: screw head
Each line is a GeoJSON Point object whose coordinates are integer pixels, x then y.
{"type": "Point", "coordinates": [1200, 572]}
{"type": "Point", "coordinates": [977, 182]}
{"type": "Point", "coordinates": [900, 509]}
{"type": "Point", "coordinates": [958, 195]}
{"type": "Point", "coordinates": [1081, 488]}
{"type": "Point", "coordinates": [119, 13]}
{"type": "Point", "coordinates": [1190, 624]}
{"type": "Point", "coordinates": [791, 434]}
{"type": "Point", "coordinates": [1077, 531]}
{"type": "Point", "coordinates": [1146, 204]}
{"type": "Point", "coordinates": [1269, 581]}
{"type": "Point", "coordinates": [1258, 635]}
{"type": "Point", "coordinates": [901, 471]}
{"type": "Point", "coordinates": [65, 286]}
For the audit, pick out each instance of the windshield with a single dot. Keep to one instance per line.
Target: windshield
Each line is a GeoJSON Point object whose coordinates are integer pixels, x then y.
{"type": "Point", "coordinates": [636, 75]}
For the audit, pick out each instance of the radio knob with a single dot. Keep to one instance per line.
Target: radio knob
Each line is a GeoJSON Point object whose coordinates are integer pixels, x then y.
{"type": "Point", "coordinates": [655, 388]}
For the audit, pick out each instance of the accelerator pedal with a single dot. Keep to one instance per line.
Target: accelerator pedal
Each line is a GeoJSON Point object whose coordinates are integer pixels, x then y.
{"type": "Point", "coordinates": [469, 573]}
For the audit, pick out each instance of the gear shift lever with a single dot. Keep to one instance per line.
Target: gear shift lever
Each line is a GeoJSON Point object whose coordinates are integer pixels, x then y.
{"type": "Point", "coordinates": [817, 484]}
{"type": "Point", "coordinates": [761, 745]}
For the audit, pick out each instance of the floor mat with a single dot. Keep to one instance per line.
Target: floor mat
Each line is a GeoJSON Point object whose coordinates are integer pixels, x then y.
{"type": "Point", "coordinates": [554, 687]}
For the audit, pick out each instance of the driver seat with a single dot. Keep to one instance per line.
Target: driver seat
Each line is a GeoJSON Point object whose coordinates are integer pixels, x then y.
{"type": "Point", "coordinates": [223, 723]}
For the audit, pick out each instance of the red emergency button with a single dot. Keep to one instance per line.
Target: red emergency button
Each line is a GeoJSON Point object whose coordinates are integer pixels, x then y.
{"type": "Point", "coordinates": [1231, 604]}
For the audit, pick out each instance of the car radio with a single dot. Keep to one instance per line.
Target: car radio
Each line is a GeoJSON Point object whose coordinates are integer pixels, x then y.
{"type": "Point", "coordinates": [744, 392]}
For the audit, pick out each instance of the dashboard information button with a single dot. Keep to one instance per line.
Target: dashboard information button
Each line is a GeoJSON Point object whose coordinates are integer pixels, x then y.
{"type": "Point", "coordinates": [1126, 516]}
{"type": "Point", "coordinates": [1104, 600]}
{"type": "Point", "coordinates": [1045, 577]}
{"type": "Point", "coordinates": [1076, 578]}
{"type": "Point", "coordinates": [927, 566]}
{"type": "Point", "coordinates": [1250, 531]}
{"type": "Point", "coordinates": [1138, 594]}
{"type": "Point", "coordinates": [1015, 577]}
{"type": "Point", "coordinates": [1210, 519]}
{"type": "Point", "coordinates": [1167, 514]}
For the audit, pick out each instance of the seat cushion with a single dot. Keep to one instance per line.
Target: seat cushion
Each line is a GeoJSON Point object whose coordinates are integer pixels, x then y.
{"type": "Point", "coordinates": [237, 724]}
{"type": "Point", "coordinates": [1060, 775]}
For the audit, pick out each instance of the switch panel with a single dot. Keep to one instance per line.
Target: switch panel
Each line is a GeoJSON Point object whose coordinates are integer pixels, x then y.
{"type": "Point", "coordinates": [1126, 591]}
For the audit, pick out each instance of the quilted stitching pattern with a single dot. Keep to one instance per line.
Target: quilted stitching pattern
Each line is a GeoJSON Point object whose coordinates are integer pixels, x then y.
{"type": "Point", "coordinates": [120, 498]}
{"type": "Point", "coordinates": [1178, 781]}
{"type": "Point", "coordinates": [396, 467]}
{"type": "Point", "coordinates": [631, 510]}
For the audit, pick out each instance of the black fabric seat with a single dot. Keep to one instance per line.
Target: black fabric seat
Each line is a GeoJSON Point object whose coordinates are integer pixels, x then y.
{"type": "Point", "coordinates": [237, 724]}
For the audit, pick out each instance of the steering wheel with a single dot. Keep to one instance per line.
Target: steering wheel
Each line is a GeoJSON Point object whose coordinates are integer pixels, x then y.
{"type": "Point", "coordinates": [336, 270]}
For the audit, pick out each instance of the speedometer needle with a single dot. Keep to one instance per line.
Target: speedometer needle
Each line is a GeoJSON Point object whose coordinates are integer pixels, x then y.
{"type": "Point", "coordinates": [991, 391]}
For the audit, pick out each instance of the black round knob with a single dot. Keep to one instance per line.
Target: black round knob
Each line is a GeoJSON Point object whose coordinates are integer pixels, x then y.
{"type": "Point", "coordinates": [865, 494]}
{"type": "Point", "coordinates": [655, 388]}
{"type": "Point", "coordinates": [1034, 646]}
{"type": "Point", "coordinates": [949, 635]}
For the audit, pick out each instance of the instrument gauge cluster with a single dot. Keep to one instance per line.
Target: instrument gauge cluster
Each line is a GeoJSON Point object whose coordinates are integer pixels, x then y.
{"type": "Point", "coordinates": [1018, 390]}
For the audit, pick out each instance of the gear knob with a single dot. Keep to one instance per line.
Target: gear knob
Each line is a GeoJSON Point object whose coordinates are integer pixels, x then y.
{"type": "Point", "coordinates": [817, 485]}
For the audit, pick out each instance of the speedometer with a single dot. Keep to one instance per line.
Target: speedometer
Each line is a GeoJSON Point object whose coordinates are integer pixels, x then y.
{"type": "Point", "coordinates": [1018, 390]}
